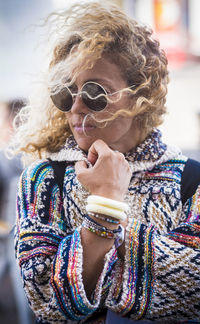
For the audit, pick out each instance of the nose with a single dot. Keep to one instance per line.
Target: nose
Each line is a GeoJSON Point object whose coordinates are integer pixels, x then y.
{"type": "Point", "coordinates": [78, 106]}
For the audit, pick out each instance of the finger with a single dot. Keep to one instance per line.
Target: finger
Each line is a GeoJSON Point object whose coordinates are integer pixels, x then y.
{"type": "Point", "coordinates": [122, 158]}
{"type": "Point", "coordinates": [80, 166]}
{"type": "Point", "coordinates": [92, 156]}
{"type": "Point", "coordinates": [98, 148]}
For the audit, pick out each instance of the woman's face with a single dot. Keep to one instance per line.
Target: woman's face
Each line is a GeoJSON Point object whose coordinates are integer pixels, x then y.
{"type": "Point", "coordinates": [121, 133]}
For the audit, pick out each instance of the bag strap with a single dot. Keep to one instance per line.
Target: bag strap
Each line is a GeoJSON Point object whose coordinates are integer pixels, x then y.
{"type": "Point", "coordinates": [190, 179]}
{"type": "Point", "coordinates": [59, 172]}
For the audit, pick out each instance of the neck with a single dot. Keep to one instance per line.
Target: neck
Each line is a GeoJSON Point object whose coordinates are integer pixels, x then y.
{"type": "Point", "coordinates": [135, 138]}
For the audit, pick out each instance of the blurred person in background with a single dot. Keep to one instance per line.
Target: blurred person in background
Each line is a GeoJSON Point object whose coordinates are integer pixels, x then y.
{"type": "Point", "coordinates": [103, 226]}
{"type": "Point", "coordinates": [10, 169]}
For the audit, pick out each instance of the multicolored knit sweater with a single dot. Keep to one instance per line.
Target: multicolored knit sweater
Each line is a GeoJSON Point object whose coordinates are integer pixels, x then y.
{"type": "Point", "coordinates": [160, 277]}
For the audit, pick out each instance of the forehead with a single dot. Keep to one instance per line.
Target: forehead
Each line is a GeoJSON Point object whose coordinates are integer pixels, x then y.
{"type": "Point", "coordinates": [103, 71]}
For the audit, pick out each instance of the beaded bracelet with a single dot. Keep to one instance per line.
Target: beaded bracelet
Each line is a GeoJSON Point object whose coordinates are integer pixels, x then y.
{"type": "Point", "coordinates": [98, 231]}
{"type": "Point", "coordinates": [104, 218]}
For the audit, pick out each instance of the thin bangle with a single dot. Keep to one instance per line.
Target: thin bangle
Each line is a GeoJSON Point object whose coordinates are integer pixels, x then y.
{"type": "Point", "coordinates": [104, 218]}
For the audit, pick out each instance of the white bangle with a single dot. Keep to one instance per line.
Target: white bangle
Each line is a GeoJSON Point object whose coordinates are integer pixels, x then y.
{"type": "Point", "coordinates": [107, 202]}
{"type": "Point", "coordinates": [99, 209]}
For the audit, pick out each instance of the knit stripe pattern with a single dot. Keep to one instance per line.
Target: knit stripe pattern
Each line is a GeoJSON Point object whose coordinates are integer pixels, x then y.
{"type": "Point", "coordinates": [159, 278]}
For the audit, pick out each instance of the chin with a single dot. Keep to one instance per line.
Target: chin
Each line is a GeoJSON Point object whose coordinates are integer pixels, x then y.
{"type": "Point", "coordinates": [84, 144]}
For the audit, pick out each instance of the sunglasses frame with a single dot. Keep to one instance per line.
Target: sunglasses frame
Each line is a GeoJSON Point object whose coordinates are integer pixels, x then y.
{"type": "Point", "coordinates": [73, 95]}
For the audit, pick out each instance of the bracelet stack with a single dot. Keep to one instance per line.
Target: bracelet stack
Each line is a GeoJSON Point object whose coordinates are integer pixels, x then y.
{"type": "Point", "coordinates": [98, 229]}
{"type": "Point", "coordinates": [100, 207]}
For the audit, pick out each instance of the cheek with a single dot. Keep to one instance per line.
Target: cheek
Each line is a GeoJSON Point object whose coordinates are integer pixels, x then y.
{"type": "Point", "coordinates": [113, 130]}
{"type": "Point", "coordinates": [122, 123]}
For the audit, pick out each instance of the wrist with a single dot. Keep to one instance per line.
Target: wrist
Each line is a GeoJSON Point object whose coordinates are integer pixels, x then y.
{"type": "Point", "coordinates": [110, 194]}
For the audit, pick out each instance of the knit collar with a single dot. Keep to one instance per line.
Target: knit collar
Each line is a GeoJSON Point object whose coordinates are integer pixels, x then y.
{"type": "Point", "coordinates": [144, 157]}
{"type": "Point", "coordinates": [150, 150]}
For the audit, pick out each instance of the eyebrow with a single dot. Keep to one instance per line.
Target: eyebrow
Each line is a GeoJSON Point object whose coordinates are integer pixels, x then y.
{"type": "Point", "coordinates": [105, 82]}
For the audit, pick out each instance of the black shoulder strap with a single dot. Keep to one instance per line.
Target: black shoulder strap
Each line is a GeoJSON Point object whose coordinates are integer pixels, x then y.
{"type": "Point", "coordinates": [59, 172]}
{"type": "Point", "coordinates": [190, 179]}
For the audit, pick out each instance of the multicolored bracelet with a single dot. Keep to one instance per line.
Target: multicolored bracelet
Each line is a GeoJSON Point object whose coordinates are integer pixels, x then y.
{"type": "Point", "coordinates": [92, 223]}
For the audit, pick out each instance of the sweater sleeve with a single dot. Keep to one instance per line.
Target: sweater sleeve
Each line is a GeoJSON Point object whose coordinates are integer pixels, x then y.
{"type": "Point", "coordinates": [49, 252]}
{"type": "Point", "coordinates": [160, 279]}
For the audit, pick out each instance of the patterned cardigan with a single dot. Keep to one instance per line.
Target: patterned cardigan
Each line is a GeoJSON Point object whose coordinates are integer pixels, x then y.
{"type": "Point", "coordinates": [160, 277]}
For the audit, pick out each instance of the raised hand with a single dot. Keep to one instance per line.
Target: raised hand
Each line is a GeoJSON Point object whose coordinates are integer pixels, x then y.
{"type": "Point", "coordinates": [109, 175]}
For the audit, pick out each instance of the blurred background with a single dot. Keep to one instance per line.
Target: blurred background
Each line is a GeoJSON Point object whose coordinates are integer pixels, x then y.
{"type": "Point", "coordinates": [23, 55]}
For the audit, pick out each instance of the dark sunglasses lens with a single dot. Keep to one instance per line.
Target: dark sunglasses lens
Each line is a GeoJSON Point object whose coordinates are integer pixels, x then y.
{"type": "Point", "coordinates": [63, 100]}
{"type": "Point", "coordinates": [93, 96]}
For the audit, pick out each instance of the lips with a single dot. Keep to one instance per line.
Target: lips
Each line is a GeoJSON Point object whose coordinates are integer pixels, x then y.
{"type": "Point", "coordinates": [80, 128]}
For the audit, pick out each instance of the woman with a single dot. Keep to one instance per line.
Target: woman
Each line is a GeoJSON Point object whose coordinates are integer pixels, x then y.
{"type": "Point", "coordinates": [116, 236]}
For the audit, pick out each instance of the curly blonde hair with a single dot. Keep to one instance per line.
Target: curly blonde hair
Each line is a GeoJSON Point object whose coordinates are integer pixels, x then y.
{"type": "Point", "coordinates": [84, 33]}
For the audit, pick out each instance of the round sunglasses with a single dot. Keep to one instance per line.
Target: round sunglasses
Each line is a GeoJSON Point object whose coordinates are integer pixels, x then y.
{"type": "Point", "coordinates": [92, 94]}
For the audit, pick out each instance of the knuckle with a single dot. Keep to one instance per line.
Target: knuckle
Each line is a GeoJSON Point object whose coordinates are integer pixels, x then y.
{"type": "Point", "coordinates": [99, 143]}
{"type": "Point", "coordinates": [120, 156]}
{"type": "Point", "coordinates": [107, 155]}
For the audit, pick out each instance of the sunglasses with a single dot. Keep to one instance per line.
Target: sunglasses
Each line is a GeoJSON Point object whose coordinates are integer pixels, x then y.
{"type": "Point", "coordinates": [93, 95]}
